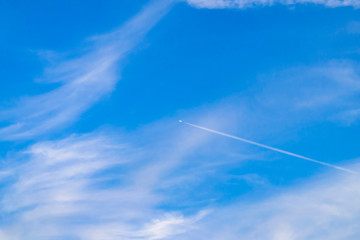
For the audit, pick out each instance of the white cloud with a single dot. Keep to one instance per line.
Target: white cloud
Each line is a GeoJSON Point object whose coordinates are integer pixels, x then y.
{"type": "Point", "coordinates": [168, 225]}
{"type": "Point", "coordinates": [85, 80]}
{"type": "Point", "coordinates": [326, 207]}
{"type": "Point", "coordinates": [62, 188]}
{"type": "Point", "coordinates": [258, 3]}
{"type": "Point", "coordinates": [97, 186]}
{"type": "Point", "coordinates": [326, 92]}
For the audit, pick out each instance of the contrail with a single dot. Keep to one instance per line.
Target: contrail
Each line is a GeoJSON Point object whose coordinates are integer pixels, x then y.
{"type": "Point", "coordinates": [268, 147]}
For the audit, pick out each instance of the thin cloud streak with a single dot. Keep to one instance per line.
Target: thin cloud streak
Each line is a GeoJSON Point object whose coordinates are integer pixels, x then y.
{"type": "Point", "coordinates": [85, 80]}
{"type": "Point", "coordinates": [220, 4]}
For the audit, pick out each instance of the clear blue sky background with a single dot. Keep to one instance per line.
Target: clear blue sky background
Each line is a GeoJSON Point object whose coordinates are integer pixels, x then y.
{"type": "Point", "coordinates": [103, 157]}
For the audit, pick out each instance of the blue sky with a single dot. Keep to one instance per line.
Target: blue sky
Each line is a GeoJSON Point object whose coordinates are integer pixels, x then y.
{"type": "Point", "coordinates": [91, 146]}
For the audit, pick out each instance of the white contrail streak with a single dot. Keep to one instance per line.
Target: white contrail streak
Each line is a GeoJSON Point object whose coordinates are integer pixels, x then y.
{"type": "Point", "coordinates": [268, 147]}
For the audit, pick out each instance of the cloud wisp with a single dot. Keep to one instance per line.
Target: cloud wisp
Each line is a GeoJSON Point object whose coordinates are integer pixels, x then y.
{"type": "Point", "coordinates": [103, 186]}
{"type": "Point", "coordinates": [93, 186]}
{"type": "Point", "coordinates": [220, 4]}
{"type": "Point", "coordinates": [158, 182]}
{"type": "Point", "coordinates": [137, 186]}
{"type": "Point", "coordinates": [85, 80]}
{"type": "Point", "coordinates": [325, 207]}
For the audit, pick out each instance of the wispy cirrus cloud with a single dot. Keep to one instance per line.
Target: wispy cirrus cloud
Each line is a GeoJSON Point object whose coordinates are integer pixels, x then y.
{"type": "Point", "coordinates": [261, 3]}
{"type": "Point", "coordinates": [325, 207]}
{"type": "Point", "coordinates": [294, 97]}
{"type": "Point", "coordinates": [159, 181]}
{"type": "Point", "coordinates": [87, 187]}
{"type": "Point", "coordinates": [99, 186]}
{"type": "Point", "coordinates": [85, 80]}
